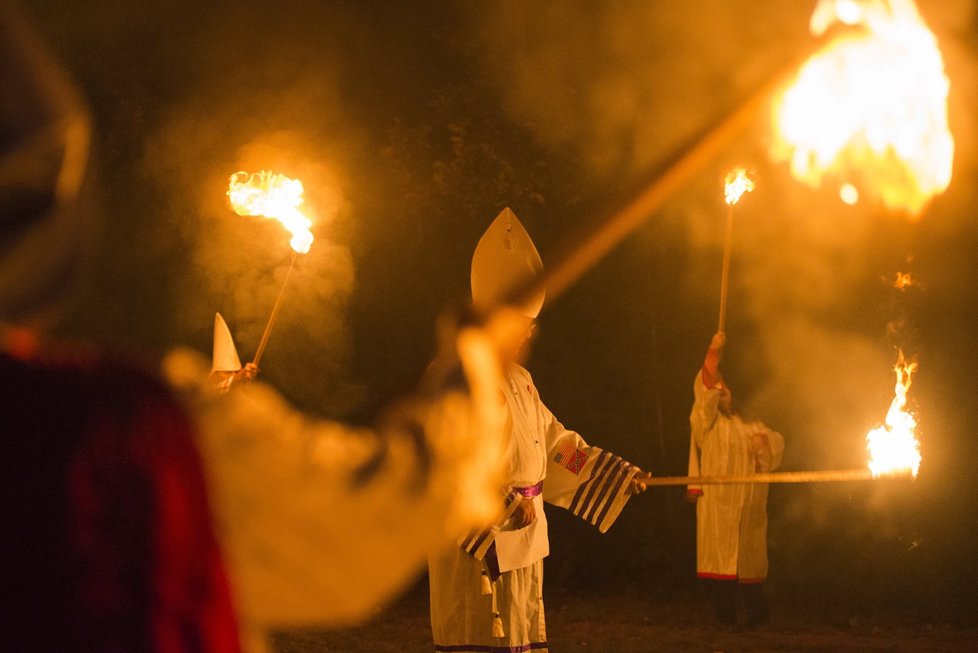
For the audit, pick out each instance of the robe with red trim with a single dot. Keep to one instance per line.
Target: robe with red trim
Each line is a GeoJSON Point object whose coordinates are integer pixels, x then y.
{"type": "Point", "coordinates": [731, 520]}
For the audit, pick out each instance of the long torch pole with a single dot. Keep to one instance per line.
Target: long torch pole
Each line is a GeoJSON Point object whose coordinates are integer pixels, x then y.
{"type": "Point", "coordinates": [725, 277]}
{"type": "Point", "coordinates": [271, 318]}
{"type": "Point", "coordinates": [822, 476]}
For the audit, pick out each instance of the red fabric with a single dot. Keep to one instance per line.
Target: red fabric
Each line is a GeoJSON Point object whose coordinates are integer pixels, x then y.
{"type": "Point", "coordinates": [189, 574]}
{"type": "Point", "coordinates": [19, 342]}
{"type": "Point", "coordinates": [703, 574]}
{"type": "Point", "coordinates": [711, 369]}
{"type": "Point", "coordinates": [742, 581]}
{"type": "Point", "coordinates": [107, 516]}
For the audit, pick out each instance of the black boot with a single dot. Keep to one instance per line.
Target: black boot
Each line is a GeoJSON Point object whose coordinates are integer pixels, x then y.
{"type": "Point", "coordinates": [756, 604]}
{"type": "Point", "coordinates": [725, 602]}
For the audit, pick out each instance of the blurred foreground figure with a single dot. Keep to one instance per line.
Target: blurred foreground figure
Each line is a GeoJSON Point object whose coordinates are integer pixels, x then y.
{"type": "Point", "coordinates": [487, 593]}
{"type": "Point", "coordinates": [731, 520]}
{"type": "Point", "coordinates": [106, 538]}
{"type": "Point", "coordinates": [320, 523]}
{"type": "Point", "coordinates": [109, 542]}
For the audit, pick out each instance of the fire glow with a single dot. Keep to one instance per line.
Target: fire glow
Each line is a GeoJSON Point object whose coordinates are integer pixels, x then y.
{"type": "Point", "coordinates": [903, 281]}
{"type": "Point", "coordinates": [869, 111]}
{"type": "Point", "coordinates": [272, 196]}
{"type": "Point", "coordinates": [893, 447]}
{"type": "Point", "coordinates": [735, 185]}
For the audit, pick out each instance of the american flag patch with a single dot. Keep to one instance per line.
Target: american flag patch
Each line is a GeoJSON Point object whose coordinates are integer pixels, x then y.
{"type": "Point", "coordinates": [570, 457]}
{"type": "Point", "coordinates": [600, 499]}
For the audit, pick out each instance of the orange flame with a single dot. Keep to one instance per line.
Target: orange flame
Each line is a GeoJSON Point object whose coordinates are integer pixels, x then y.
{"type": "Point", "coordinates": [735, 185]}
{"type": "Point", "coordinates": [870, 110]}
{"type": "Point", "coordinates": [272, 196]}
{"type": "Point", "coordinates": [893, 447]}
{"type": "Point", "coordinates": [903, 281]}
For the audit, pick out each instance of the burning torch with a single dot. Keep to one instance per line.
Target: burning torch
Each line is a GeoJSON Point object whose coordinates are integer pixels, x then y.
{"type": "Point", "coordinates": [735, 185]}
{"type": "Point", "coordinates": [276, 197]}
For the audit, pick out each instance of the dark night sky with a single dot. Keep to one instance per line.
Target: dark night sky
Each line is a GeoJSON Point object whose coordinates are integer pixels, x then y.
{"type": "Point", "coordinates": [413, 125]}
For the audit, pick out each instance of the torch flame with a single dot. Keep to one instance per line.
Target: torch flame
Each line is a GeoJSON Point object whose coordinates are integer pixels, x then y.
{"type": "Point", "coordinates": [735, 185]}
{"type": "Point", "coordinates": [870, 110]}
{"type": "Point", "coordinates": [893, 448]}
{"type": "Point", "coordinates": [272, 196]}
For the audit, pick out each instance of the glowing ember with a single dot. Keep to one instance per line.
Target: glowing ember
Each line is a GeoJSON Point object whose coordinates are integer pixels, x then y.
{"type": "Point", "coordinates": [903, 281]}
{"type": "Point", "coordinates": [849, 194]}
{"type": "Point", "coordinates": [735, 185]}
{"type": "Point", "coordinates": [272, 196]}
{"type": "Point", "coordinates": [871, 107]}
{"type": "Point", "coordinates": [893, 448]}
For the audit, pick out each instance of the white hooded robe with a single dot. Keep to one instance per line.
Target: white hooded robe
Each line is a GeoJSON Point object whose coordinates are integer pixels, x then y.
{"type": "Point", "coordinates": [731, 520]}
{"type": "Point", "coordinates": [591, 483]}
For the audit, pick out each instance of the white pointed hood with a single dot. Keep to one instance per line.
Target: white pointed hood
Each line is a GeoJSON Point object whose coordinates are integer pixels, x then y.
{"type": "Point", "coordinates": [504, 260]}
{"type": "Point", "coordinates": [225, 357]}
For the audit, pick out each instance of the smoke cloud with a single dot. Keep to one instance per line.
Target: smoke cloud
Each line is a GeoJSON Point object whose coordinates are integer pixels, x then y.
{"type": "Point", "coordinates": [245, 114]}
{"type": "Point", "coordinates": [810, 348]}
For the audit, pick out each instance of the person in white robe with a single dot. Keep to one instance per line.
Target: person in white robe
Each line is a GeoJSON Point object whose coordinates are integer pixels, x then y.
{"type": "Point", "coordinates": [731, 520]}
{"type": "Point", "coordinates": [487, 592]}
{"type": "Point", "coordinates": [320, 523]}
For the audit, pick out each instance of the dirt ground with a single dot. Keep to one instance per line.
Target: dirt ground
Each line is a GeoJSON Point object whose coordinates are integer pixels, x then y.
{"type": "Point", "coordinates": [602, 623]}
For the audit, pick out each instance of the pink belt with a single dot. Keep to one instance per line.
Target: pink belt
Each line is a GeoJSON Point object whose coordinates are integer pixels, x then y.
{"type": "Point", "coordinates": [531, 491]}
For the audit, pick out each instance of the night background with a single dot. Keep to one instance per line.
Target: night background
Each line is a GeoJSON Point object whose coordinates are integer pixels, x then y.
{"type": "Point", "coordinates": [413, 124]}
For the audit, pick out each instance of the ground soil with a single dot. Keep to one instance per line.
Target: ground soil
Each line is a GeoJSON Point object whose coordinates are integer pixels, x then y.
{"type": "Point", "coordinates": [600, 622]}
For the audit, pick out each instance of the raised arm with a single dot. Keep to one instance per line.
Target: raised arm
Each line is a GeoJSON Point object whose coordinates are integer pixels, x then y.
{"type": "Point", "coordinates": [710, 374]}
{"type": "Point", "coordinates": [319, 522]}
{"type": "Point", "coordinates": [705, 407]}
{"type": "Point", "coordinates": [706, 391]}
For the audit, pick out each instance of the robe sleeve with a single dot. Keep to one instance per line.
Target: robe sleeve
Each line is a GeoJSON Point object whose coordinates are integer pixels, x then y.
{"type": "Point", "coordinates": [711, 368]}
{"type": "Point", "coordinates": [769, 456]}
{"type": "Point", "coordinates": [706, 398]}
{"type": "Point", "coordinates": [320, 522]}
{"type": "Point", "coordinates": [705, 411]}
{"type": "Point", "coordinates": [776, 441]}
{"type": "Point", "coordinates": [694, 463]}
{"type": "Point", "coordinates": [591, 483]}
